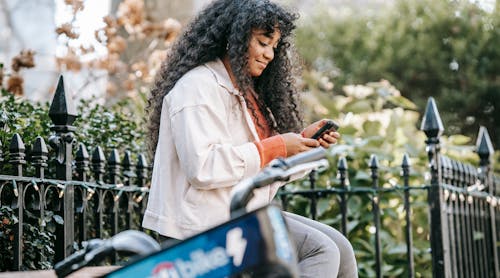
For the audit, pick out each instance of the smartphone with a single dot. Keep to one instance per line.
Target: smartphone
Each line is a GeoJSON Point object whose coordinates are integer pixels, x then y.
{"type": "Point", "coordinates": [329, 125]}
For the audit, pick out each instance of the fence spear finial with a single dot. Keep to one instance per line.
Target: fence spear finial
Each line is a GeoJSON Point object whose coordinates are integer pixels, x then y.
{"type": "Point", "coordinates": [484, 147]}
{"type": "Point", "coordinates": [62, 111]}
{"type": "Point", "coordinates": [431, 123]}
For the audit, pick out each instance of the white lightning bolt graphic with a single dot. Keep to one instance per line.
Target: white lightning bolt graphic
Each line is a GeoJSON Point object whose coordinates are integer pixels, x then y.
{"type": "Point", "coordinates": [236, 245]}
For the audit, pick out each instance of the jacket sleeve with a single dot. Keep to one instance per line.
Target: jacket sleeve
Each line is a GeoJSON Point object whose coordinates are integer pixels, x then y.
{"type": "Point", "coordinates": [204, 142]}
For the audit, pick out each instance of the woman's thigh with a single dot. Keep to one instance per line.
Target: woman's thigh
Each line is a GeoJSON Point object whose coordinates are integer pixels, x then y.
{"type": "Point", "coordinates": [347, 259]}
{"type": "Point", "coordinates": [318, 255]}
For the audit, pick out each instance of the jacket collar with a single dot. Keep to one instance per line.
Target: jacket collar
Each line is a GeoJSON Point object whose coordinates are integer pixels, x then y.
{"type": "Point", "coordinates": [221, 75]}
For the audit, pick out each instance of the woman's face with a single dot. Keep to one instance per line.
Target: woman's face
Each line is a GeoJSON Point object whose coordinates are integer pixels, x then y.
{"type": "Point", "coordinates": [261, 50]}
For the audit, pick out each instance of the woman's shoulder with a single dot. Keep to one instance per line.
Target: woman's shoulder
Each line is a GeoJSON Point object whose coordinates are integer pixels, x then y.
{"type": "Point", "coordinates": [198, 86]}
{"type": "Point", "coordinates": [198, 74]}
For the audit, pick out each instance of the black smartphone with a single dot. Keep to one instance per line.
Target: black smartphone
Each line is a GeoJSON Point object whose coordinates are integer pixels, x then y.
{"type": "Point", "coordinates": [329, 125]}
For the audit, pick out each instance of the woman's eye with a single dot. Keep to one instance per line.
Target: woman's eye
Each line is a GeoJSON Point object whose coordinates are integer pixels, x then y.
{"type": "Point", "coordinates": [263, 43]}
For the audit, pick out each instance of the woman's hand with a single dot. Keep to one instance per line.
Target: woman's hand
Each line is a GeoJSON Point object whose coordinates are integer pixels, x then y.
{"type": "Point", "coordinates": [328, 138]}
{"type": "Point", "coordinates": [295, 143]}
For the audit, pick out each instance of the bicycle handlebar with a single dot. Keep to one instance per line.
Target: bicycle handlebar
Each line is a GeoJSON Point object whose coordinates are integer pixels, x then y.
{"type": "Point", "coordinates": [278, 170]}
{"type": "Point", "coordinates": [129, 241]}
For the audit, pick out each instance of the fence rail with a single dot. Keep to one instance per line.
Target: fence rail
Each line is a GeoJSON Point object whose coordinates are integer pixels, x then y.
{"type": "Point", "coordinates": [97, 196]}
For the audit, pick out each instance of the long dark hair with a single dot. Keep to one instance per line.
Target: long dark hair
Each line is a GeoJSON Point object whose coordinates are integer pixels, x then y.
{"type": "Point", "coordinates": [225, 27]}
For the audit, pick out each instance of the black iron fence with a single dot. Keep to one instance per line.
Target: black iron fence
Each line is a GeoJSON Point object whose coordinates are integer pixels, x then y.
{"type": "Point", "coordinates": [87, 197]}
{"type": "Point", "coordinates": [463, 202]}
{"type": "Point", "coordinates": [98, 196]}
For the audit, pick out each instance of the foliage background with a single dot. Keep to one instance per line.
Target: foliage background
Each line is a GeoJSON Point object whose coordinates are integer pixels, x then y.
{"type": "Point", "coordinates": [445, 49]}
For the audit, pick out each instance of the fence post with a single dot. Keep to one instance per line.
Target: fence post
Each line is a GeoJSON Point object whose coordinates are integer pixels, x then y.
{"type": "Point", "coordinates": [17, 155]}
{"type": "Point", "coordinates": [433, 128]}
{"type": "Point", "coordinates": [485, 151]}
{"type": "Point", "coordinates": [405, 165]}
{"type": "Point", "coordinates": [62, 112]}
{"type": "Point", "coordinates": [344, 181]}
{"type": "Point", "coordinates": [376, 214]}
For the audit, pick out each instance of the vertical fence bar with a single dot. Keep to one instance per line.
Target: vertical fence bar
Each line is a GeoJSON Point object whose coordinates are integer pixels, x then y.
{"type": "Point", "coordinates": [462, 220]}
{"type": "Point", "coordinates": [433, 128]}
{"type": "Point", "coordinates": [471, 200]}
{"type": "Point", "coordinates": [405, 165]}
{"type": "Point", "coordinates": [312, 185]}
{"type": "Point", "coordinates": [114, 165]}
{"type": "Point", "coordinates": [128, 179]}
{"type": "Point", "coordinates": [142, 176]}
{"type": "Point", "coordinates": [376, 214]}
{"type": "Point", "coordinates": [39, 160]}
{"type": "Point", "coordinates": [452, 205]}
{"type": "Point", "coordinates": [39, 157]}
{"type": "Point", "coordinates": [467, 217]}
{"type": "Point", "coordinates": [17, 155]}
{"type": "Point", "coordinates": [128, 169]}
{"type": "Point", "coordinates": [98, 164]}
{"type": "Point", "coordinates": [142, 170]}
{"type": "Point", "coordinates": [82, 167]}
{"type": "Point", "coordinates": [82, 163]}
{"type": "Point", "coordinates": [342, 174]}
{"type": "Point", "coordinates": [479, 224]}
{"type": "Point", "coordinates": [485, 151]}
{"type": "Point", "coordinates": [62, 112]}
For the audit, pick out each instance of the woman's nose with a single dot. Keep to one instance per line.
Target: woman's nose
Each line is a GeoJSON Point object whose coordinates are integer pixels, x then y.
{"type": "Point", "coordinates": [269, 53]}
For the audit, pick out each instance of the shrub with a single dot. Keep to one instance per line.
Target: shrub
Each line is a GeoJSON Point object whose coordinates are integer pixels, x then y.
{"type": "Point", "coordinates": [444, 49]}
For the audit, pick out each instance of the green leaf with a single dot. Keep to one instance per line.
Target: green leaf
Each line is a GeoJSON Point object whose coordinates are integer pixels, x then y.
{"type": "Point", "coordinates": [402, 102]}
{"type": "Point", "coordinates": [59, 220]}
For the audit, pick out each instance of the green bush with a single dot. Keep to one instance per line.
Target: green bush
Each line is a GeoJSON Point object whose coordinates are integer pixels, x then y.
{"type": "Point", "coordinates": [444, 49]}
{"type": "Point", "coordinates": [97, 125]}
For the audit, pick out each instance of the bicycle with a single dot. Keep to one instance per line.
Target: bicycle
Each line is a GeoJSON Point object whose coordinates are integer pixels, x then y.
{"type": "Point", "coordinates": [250, 244]}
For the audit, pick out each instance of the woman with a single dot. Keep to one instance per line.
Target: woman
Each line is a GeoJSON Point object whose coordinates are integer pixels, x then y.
{"type": "Point", "coordinates": [223, 106]}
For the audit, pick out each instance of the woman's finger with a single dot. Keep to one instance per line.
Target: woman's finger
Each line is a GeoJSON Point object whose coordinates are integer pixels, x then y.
{"type": "Point", "coordinates": [323, 143]}
{"type": "Point", "coordinates": [329, 139]}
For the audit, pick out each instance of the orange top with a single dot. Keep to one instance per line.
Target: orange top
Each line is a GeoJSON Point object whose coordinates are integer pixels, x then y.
{"type": "Point", "coordinates": [269, 147]}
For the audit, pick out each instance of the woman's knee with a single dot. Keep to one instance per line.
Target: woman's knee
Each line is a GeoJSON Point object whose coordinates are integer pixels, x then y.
{"type": "Point", "coordinates": [319, 258]}
{"type": "Point", "coordinates": [331, 251]}
{"type": "Point", "coordinates": [344, 245]}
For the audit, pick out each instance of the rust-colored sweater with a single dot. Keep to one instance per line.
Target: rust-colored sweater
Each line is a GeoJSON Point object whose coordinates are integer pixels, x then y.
{"type": "Point", "coordinates": [270, 146]}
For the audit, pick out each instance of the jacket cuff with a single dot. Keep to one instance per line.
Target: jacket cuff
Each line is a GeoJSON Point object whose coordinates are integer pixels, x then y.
{"type": "Point", "coordinates": [270, 148]}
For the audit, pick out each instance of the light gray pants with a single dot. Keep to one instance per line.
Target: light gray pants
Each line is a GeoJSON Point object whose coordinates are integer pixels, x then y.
{"type": "Point", "coordinates": [322, 251]}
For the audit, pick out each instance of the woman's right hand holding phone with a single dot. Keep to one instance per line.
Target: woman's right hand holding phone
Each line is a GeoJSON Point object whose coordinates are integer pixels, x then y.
{"type": "Point", "coordinates": [296, 143]}
{"type": "Point", "coordinates": [325, 131]}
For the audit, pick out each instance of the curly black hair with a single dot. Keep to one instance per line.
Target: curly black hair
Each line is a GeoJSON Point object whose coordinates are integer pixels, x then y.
{"type": "Point", "coordinates": [224, 27]}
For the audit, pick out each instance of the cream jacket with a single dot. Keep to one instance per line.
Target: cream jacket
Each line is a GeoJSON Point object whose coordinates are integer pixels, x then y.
{"type": "Point", "coordinates": [204, 148]}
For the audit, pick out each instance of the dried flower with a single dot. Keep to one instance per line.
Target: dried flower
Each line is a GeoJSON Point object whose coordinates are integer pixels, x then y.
{"type": "Point", "coordinates": [23, 60]}
{"type": "Point", "coordinates": [69, 62]}
{"type": "Point", "coordinates": [77, 5]}
{"type": "Point", "coordinates": [172, 29]}
{"type": "Point", "coordinates": [67, 29]}
{"type": "Point", "coordinates": [15, 84]}
{"type": "Point", "coordinates": [117, 45]}
{"type": "Point", "coordinates": [87, 50]}
{"type": "Point", "coordinates": [131, 12]}
{"type": "Point", "coordinates": [140, 69]}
